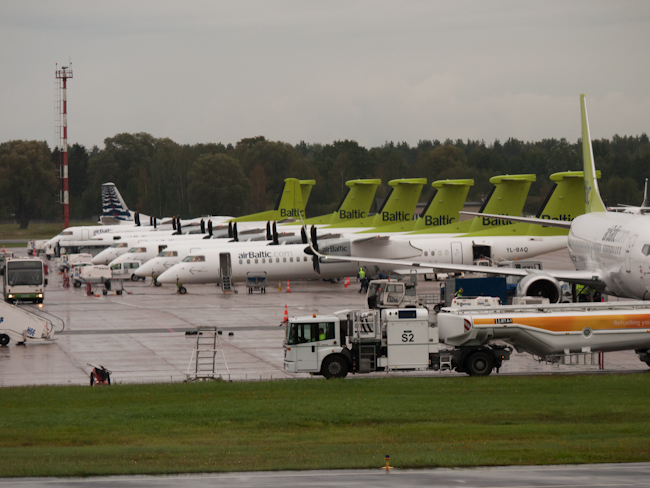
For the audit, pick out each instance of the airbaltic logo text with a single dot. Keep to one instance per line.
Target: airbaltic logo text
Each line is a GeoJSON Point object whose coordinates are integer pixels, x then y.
{"type": "Point", "coordinates": [442, 220]}
{"type": "Point", "coordinates": [294, 212]}
{"type": "Point", "coordinates": [250, 255]}
{"type": "Point", "coordinates": [489, 221]}
{"type": "Point", "coordinates": [615, 234]}
{"type": "Point", "coordinates": [564, 217]}
{"type": "Point", "coordinates": [352, 214]}
{"type": "Point", "coordinates": [334, 248]}
{"type": "Point", "coordinates": [398, 216]}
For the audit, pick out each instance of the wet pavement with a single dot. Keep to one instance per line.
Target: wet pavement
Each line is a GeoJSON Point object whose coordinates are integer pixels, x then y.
{"type": "Point", "coordinates": [141, 335]}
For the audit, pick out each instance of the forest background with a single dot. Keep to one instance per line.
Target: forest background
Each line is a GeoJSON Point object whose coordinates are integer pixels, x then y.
{"type": "Point", "coordinates": [160, 177]}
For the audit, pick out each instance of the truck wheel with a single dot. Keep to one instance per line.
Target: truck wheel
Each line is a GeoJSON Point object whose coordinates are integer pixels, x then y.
{"type": "Point", "coordinates": [134, 278]}
{"type": "Point", "coordinates": [436, 308]}
{"type": "Point", "coordinates": [119, 292]}
{"type": "Point", "coordinates": [4, 339]}
{"type": "Point", "coordinates": [479, 364]}
{"type": "Point", "coordinates": [77, 284]}
{"type": "Point", "coordinates": [334, 367]}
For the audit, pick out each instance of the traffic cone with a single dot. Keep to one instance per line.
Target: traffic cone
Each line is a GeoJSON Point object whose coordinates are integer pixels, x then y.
{"type": "Point", "coordinates": [286, 315]}
{"type": "Point", "coordinates": [279, 286]}
{"type": "Point", "coordinates": [347, 282]}
{"type": "Point", "coordinates": [288, 287]}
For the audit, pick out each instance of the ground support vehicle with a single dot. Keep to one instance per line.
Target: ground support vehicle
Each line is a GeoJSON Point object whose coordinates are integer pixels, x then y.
{"type": "Point", "coordinates": [67, 261]}
{"type": "Point", "coordinates": [24, 280]}
{"type": "Point", "coordinates": [125, 270]}
{"type": "Point", "coordinates": [112, 284]}
{"type": "Point", "coordinates": [256, 281]}
{"type": "Point", "coordinates": [576, 333]}
{"type": "Point", "coordinates": [22, 326]}
{"type": "Point", "coordinates": [365, 341]}
{"type": "Point", "coordinates": [94, 274]}
{"type": "Point", "coordinates": [387, 293]}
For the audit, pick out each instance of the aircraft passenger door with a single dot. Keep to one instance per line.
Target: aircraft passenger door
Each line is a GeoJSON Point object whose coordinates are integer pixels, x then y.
{"type": "Point", "coordinates": [456, 253]}
{"type": "Point", "coordinates": [225, 266]}
{"type": "Point", "coordinates": [84, 235]}
{"type": "Point", "coordinates": [628, 252]}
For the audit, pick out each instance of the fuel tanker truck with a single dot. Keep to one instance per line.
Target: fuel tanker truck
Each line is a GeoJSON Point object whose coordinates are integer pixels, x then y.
{"type": "Point", "coordinates": [473, 337]}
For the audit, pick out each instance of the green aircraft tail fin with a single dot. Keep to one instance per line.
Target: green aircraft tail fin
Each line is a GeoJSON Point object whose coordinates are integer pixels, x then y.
{"type": "Point", "coordinates": [565, 202]}
{"type": "Point", "coordinates": [355, 204]}
{"type": "Point", "coordinates": [506, 198]}
{"type": "Point", "coordinates": [593, 202]}
{"type": "Point", "coordinates": [445, 205]}
{"type": "Point", "coordinates": [400, 204]}
{"type": "Point", "coordinates": [290, 203]}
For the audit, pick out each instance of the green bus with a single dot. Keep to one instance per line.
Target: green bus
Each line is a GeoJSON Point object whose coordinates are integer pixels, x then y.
{"type": "Point", "coordinates": [24, 279]}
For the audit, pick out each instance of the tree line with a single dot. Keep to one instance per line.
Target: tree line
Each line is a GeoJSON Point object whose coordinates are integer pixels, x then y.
{"type": "Point", "coordinates": [160, 177]}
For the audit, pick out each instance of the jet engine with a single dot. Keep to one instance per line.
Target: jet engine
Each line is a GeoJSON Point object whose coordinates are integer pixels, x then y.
{"type": "Point", "coordinates": [540, 285]}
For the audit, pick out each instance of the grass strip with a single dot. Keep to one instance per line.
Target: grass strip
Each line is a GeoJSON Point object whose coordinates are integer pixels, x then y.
{"type": "Point", "coordinates": [420, 422]}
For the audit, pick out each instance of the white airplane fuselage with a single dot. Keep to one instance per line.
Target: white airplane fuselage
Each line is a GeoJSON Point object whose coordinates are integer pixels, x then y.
{"type": "Point", "coordinates": [616, 246]}
{"type": "Point", "coordinates": [291, 261]}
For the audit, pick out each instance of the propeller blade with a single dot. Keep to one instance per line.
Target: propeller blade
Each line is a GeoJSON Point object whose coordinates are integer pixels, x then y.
{"type": "Point", "coordinates": [269, 236]}
{"type": "Point", "coordinates": [303, 234]}
{"type": "Point", "coordinates": [202, 227]}
{"type": "Point", "coordinates": [229, 230]}
{"type": "Point", "coordinates": [276, 241]}
{"type": "Point", "coordinates": [235, 235]}
{"type": "Point", "coordinates": [178, 226]}
{"type": "Point", "coordinates": [173, 223]}
{"type": "Point", "coordinates": [136, 217]}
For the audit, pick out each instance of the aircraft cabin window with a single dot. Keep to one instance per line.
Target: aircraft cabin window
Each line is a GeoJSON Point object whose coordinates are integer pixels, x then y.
{"type": "Point", "coordinates": [426, 253]}
{"type": "Point", "coordinates": [291, 259]}
{"type": "Point", "coordinates": [263, 260]}
{"type": "Point", "coordinates": [248, 261]}
{"type": "Point", "coordinates": [284, 260]}
{"type": "Point", "coordinates": [241, 261]}
{"type": "Point", "coordinates": [277, 260]}
{"type": "Point", "coordinates": [646, 250]}
{"type": "Point", "coordinates": [256, 260]}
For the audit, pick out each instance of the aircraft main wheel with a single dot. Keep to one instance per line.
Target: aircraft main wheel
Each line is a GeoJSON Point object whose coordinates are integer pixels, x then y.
{"type": "Point", "coordinates": [134, 277]}
{"type": "Point", "coordinates": [4, 339]}
{"type": "Point", "coordinates": [182, 290]}
{"type": "Point", "coordinates": [156, 284]}
{"type": "Point", "coordinates": [335, 367]}
{"type": "Point", "coordinates": [105, 291]}
{"type": "Point", "coordinates": [479, 364]}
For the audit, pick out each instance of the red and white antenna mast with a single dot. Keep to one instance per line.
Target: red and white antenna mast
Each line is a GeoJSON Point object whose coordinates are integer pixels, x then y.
{"type": "Point", "coordinates": [62, 75]}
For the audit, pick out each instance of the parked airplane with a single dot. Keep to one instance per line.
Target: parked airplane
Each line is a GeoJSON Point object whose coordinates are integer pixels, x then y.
{"type": "Point", "coordinates": [610, 250]}
{"type": "Point", "coordinates": [290, 202]}
{"type": "Point", "coordinates": [211, 265]}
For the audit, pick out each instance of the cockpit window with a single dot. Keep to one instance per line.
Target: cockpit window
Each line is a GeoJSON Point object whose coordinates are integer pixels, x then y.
{"type": "Point", "coordinates": [193, 259]}
{"type": "Point", "coordinates": [168, 254]}
{"type": "Point", "coordinates": [66, 233]}
{"type": "Point", "coordinates": [646, 250]}
{"type": "Point", "coordinates": [119, 244]}
{"type": "Point", "coordinates": [138, 249]}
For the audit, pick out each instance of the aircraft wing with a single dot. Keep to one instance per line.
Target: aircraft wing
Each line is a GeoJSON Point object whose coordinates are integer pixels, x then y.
{"type": "Point", "coordinates": [561, 224]}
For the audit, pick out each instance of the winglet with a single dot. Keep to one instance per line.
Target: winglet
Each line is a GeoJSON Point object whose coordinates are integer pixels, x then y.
{"type": "Point", "coordinates": [593, 202]}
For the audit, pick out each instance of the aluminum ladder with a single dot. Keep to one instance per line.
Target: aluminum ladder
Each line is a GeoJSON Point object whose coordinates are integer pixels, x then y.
{"type": "Point", "coordinates": [208, 361]}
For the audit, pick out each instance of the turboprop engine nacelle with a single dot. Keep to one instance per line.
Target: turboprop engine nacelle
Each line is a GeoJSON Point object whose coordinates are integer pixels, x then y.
{"type": "Point", "coordinates": [540, 285]}
{"type": "Point", "coordinates": [335, 247]}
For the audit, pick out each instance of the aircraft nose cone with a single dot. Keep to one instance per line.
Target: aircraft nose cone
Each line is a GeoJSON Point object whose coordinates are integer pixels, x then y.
{"type": "Point", "coordinates": [168, 276]}
{"type": "Point", "coordinates": [99, 259]}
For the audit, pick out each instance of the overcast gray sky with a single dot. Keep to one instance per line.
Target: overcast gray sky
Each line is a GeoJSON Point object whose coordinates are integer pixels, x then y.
{"type": "Point", "coordinates": [319, 71]}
